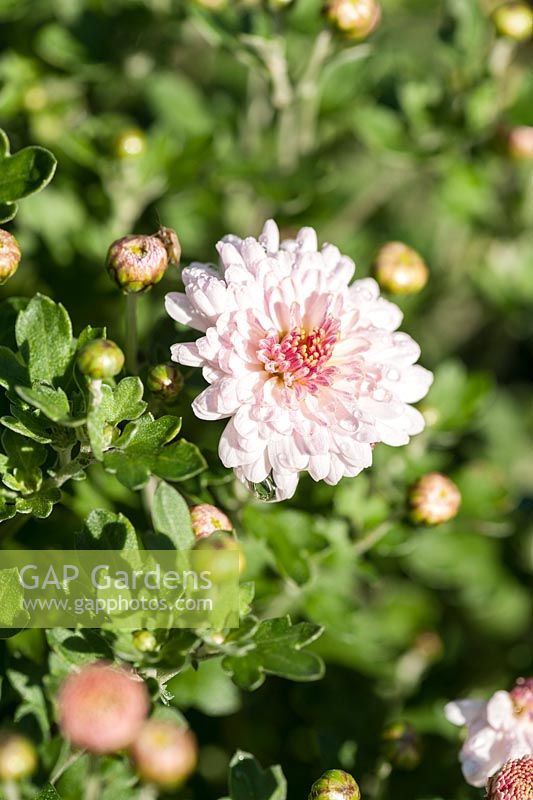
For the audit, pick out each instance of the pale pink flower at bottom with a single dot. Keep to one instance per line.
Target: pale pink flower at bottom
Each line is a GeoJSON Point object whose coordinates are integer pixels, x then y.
{"type": "Point", "coordinates": [498, 730]}
{"type": "Point", "coordinates": [309, 370]}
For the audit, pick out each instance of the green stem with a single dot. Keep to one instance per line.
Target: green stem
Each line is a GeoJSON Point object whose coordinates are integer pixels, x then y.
{"type": "Point", "coordinates": [10, 790]}
{"type": "Point", "coordinates": [131, 333]}
{"type": "Point", "coordinates": [372, 538]}
{"type": "Point", "coordinates": [64, 762]}
{"type": "Point", "coordinates": [93, 785]}
{"type": "Point", "coordinates": [308, 91]}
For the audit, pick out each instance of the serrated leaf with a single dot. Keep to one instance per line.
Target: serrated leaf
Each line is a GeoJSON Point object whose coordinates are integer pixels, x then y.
{"type": "Point", "coordinates": [48, 793]}
{"type": "Point", "coordinates": [11, 599]}
{"type": "Point", "coordinates": [41, 505]}
{"type": "Point", "coordinates": [52, 402]}
{"type": "Point", "coordinates": [249, 781]}
{"type": "Point", "coordinates": [44, 337]}
{"type": "Point", "coordinates": [33, 700]}
{"type": "Point", "coordinates": [277, 651]}
{"type": "Point", "coordinates": [171, 517]}
{"type": "Point", "coordinates": [119, 403]}
{"type": "Point", "coordinates": [12, 372]}
{"type": "Point", "coordinates": [104, 530]}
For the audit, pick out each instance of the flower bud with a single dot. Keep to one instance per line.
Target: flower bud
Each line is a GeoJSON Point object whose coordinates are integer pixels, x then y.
{"type": "Point", "coordinates": [166, 381]}
{"type": "Point", "coordinates": [130, 144]}
{"type": "Point", "coordinates": [434, 499]}
{"type": "Point", "coordinates": [514, 781]}
{"type": "Point", "coordinates": [144, 641]}
{"type": "Point", "coordinates": [355, 19]}
{"type": "Point", "coordinates": [169, 238]}
{"type": "Point", "coordinates": [335, 784]}
{"type": "Point", "coordinates": [514, 20]}
{"type": "Point", "coordinates": [100, 358]}
{"type": "Point", "coordinates": [522, 697]}
{"type": "Point", "coordinates": [164, 753]}
{"type": "Point", "coordinates": [400, 270]}
{"type": "Point", "coordinates": [221, 541]}
{"type": "Point", "coordinates": [136, 263]}
{"type": "Point", "coordinates": [9, 256]}
{"type": "Point", "coordinates": [207, 519]}
{"type": "Point", "coordinates": [520, 143]}
{"type": "Point", "coordinates": [402, 746]}
{"type": "Point", "coordinates": [18, 757]}
{"type": "Point", "coordinates": [102, 707]}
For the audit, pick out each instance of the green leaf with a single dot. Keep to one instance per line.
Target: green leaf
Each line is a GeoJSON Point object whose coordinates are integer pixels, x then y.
{"type": "Point", "coordinates": [122, 402]}
{"type": "Point", "coordinates": [52, 402]}
{"type": "Point", "coordinates": [24, 173]}
{"type": "Point", "coordinates": [12, 372]}
{"type": "Point", "coordinates": [277, 651]}
{"type": "Point", "coordinates": [171, 517]}
{"type": "Point", "coordinates": [104, 530]}
{"type": "Point", "coordinates": [248, 781]}
{"type": "Point", "coordinates": [41, 505]}
{"type": "Point", "coordinates": [11, 598]}
{"type": "Point", "coordinates": [33, 700]}
{"type": "Point", "coordinates": [48, 793]}
{"type": "Point", "coordinates": [44, 337]}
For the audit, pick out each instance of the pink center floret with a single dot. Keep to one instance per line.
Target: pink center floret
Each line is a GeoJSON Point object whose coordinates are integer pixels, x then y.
{"type": "Point", "coordinates": [300, 357]}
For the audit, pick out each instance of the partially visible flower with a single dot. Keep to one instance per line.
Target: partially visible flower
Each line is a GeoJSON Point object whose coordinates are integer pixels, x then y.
{"type": "Point", "coordinates": [165, 380]}
{"type": "Point", "coordinates": [18, 757]}
{"type": "Point", "coordinates": [514, 20]}
{"type": "Point", "coordinates": [102, 707]}
{"type": "Point", "coordinates": [136, 263]}
{"type": "Point", "coordinates": [207, 519]}
{"type": "Point", "coordinates": [402, 745]}
{"type": "Point", "coordinates": [513, 782]}
{"type": "Point", "coordinates": [309, 370]}
{"type": "Point", "coordinates": [164, 753]}
{"type": "Point", "coordinates": [520, 142]}
{"type": "Point", "coordinates": [100, 358]}
{"type": "Point", "coordinates": [434, 499]}
{"type": "Point", "coordinates": [10, 256]}
{"type": "Point", "coordinates": [399, 269]}
{"type": "Point", "coordinates": [335, 784]}
{"type": "Point", "coordinates": [498, 730]}
{"type": "Point", "coordinates": [355, 19]}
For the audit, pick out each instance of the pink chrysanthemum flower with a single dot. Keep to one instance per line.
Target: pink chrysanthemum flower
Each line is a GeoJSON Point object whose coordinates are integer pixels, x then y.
{"type": "Point", "coordinates": [309, 370]}
{"type": "Point", "coordinates": [498, 730]}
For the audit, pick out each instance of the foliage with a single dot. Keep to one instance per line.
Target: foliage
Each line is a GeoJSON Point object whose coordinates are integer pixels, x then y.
{"type": "Point", "coordinates": [161, 111]}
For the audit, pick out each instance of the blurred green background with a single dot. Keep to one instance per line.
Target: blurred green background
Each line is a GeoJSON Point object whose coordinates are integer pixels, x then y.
{"type": "Point", "coordinates": [160, 111]}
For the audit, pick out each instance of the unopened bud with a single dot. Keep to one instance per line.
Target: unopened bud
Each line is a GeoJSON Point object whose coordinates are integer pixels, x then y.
{"type": "Point", "coordinates": [18, 757]}
{"type": "Point", "coordinates": [355, 19]}
{"type": "Point", "coordinates": [522, 698]}
{"type": "Point", "coordinates": [399, 269]}
{"type": "Point", "coordinates": [335, 784]}
{"type": "Point", "coordinates": [100, 359]}
{"type": "Point", "coordinates": [520, 143]}
{"type": "Point", "coordinates": [402, 746]}
{"type": "Point", "coordinates": [434, 499]}
{"type": "Point", "coordinates": [514, 20]}
{"type": "Point", "coordinates": [9, 256]}
{"type": "Point", "coordinates": [222, 541]}
{"type": "Point", "coordinates": [130, 144]}
{"type": "Point", "coordinates": [166, 381]}
{"type": "Point", "coordinates": [169, 238]}
{"type": "Point", "coordinates": [165, 753]}
{"type": "Point", "coordinates": [145, 641]}
{"type": "Point", "coordinates": [514, 781]}
{"type": "Point", "coordinates": [136, 263]}
{"type": "Point", "coordinates": [207, 519]}
{"type": "Point", "coordinates": [102, 707]}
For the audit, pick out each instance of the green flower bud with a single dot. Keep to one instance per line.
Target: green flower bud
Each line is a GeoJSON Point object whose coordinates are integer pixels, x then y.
{"type": "Point", "coordinates": [434, 499]}
{"type": "Point", "coordinates": [136, 263]}
{"type": "Point", "coordinates": [9, 256]}
{"type": "Point", "coordinates": [402, 746]}
{"type": "Point", "coordinates": [514, 20]}
{"type": "Point", "coordinates": [100, 358]}
{"type": "Point", "coordinates": [335, 784]}
{"type": "Point", "coordinates": [166, 381]}
{"type": "Point", "coordinates": [355, 19]}
{"type": "Point", "coordinates": [169, 238]}
{"type": "Point", "coordinates": [18, 757]}
{"type": "Point", "coordinates": [221, 541]}
{"type": "Point", "coordinates": [145, 641]}
{"type": "Point", "coordinates": [399, 269]}
{"type": "Point", "coordinates": [165, 753]}
{"type": "Point", "coordinates": [130, 144]}
{"type": "Point", "coordinates": [520, 143]}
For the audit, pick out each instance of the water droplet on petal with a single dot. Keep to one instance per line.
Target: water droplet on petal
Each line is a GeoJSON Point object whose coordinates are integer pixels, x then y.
{"type": "Point", "coordinates": [265, 491]}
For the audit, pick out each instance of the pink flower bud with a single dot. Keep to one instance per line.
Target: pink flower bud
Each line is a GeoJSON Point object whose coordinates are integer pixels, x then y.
{"type": "Point", "coordinates": [102, 707]}
{"type": "Point", "coordinates": [136, 263]}
{"type": "Point", "coordinates": [164, 753]}
{"type": "Point", "coordinates": [355, 19]}
{"type": "Point", "coordinates": [400, 270]}
{"type": "Point", "coordinates": [207, 519]}
{"type": "Point", "coordinates": [18, 757]}
{"type": "Point", "coordinates": [522, 697]}
{"type": "Point", "coordinates": [514, 781]}
{"type": "Point", "coordinates": [434, 499]}
{"type": "Point", "coordinates": [9, 256]}
{"type": "Point", "coordinates": [520, 143]}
